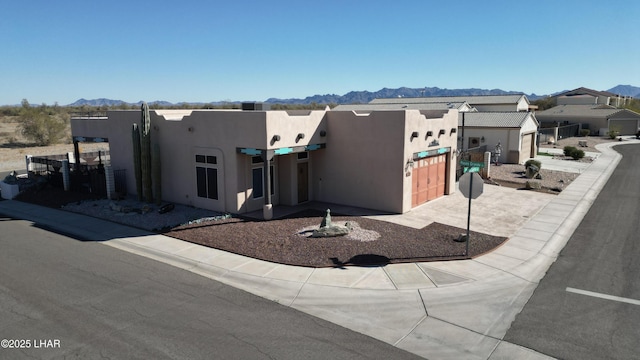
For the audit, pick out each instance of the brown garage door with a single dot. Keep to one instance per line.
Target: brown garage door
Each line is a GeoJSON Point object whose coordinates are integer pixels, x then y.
{"type": "Point", "coordinates": [428, 179]}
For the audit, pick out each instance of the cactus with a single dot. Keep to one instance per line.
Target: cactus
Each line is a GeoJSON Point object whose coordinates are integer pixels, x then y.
{"type": "Point", "coordinates": [137, 169]}
{"type": "Point", "coordinates": [145, 154]}
{"type": "Point", "coordinates": [155, 174]}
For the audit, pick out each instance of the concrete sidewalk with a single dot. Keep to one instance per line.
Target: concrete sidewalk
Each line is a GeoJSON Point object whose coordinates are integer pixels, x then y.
{"type": "Point", "coordinates": [438, 310]}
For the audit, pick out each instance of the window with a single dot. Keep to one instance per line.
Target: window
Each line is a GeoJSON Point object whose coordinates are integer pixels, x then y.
{"type": "Point", "coordinates": [207, 177]}
{"type": "Point", "coordinates": [258, 183]}
{"type": "Point", "coordinates": [206, 159]}
{"type": "Point", "coordinates": [257, 160]}
{"type": "Point", "coordinates": [258, 188]}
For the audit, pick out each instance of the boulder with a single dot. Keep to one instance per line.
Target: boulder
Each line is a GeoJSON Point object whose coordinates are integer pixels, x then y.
{"type": "Point", "coordinates": [532, 171]}
{"type": "Point", "coordinates": [533, 185]}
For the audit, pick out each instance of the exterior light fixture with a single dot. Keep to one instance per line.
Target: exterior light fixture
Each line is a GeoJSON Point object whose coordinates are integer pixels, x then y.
{"type": "Point", "coordinates": [429, 133]}
{"type": "Point", "coordinates": [414, 135]}
{"type": "Point", "coordinates": [299, 137]}
{"type": "Point", "coordinates": [442, 132]}
{"type": "Point", "coordinates": [454, 130]}
{"type": "Point", "coordinates": [323, 133]}
{"type": "Point", "coordinates": [274, 139]}
{"type": "Point", "coordinates": [190, 129]}
{"type": "Point", "coordinates": [482, 139]}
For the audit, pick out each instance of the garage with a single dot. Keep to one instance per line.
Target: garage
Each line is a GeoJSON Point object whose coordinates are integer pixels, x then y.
{"type": "Point", "coordinates": [428, 179]}
{"type": "Point", "coordinates": [624, 127]}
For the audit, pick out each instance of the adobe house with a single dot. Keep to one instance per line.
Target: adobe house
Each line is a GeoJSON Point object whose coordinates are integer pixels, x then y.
{"type": "Point", "coordinates": [389, 161]}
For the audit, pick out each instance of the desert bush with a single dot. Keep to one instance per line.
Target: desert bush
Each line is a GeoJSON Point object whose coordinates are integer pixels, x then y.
{"type": "Point", "coordinates": [577, 155]}
{"type": "Point", "coordinates": [574, 152]}
{"type": "Point", "coordinates": [568, 150]}
{"type": "Point", "coordinates": [533, 162]}
{"type": "Point", "coordinates": [585, 132]}
{"type": "Point", "coordinates": [41, 126]}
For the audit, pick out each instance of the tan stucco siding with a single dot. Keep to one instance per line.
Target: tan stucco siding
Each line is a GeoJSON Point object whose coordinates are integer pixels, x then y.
{"type": "Point", "coordinates": [288, 127]}
{"type": "Point", "coordinates": [363, 161]}
{"type": "Point", "coordinates": [416, 122]}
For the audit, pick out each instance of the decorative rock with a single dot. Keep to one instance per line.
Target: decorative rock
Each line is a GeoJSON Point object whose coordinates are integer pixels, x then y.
{"type": "Point", "coordinates": [533, 185]}
{"type": "Point", "coordinates": [115, 207]}
{"type": "Point", "coordinates": [532, 171]}
{"type": "Point", "coordinates": [335, 230]}
{"type": "Point", "coordinates": [166, 208]}
{"type": "Point", "coordinates": [327, 229]}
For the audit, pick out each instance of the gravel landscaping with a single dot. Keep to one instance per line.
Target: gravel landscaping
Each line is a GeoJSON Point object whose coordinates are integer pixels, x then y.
{"type": "Point", "coordinates": [287, 240]}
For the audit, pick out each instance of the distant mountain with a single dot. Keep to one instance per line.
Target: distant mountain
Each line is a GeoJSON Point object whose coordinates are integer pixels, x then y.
{"type": "Point", "coordinates": [359, 97]}
{"type": "Point", "coordinates": [97, 102]}
{"type": "Point", "coordinates": [626, 90]}
{"type": "Point", "coordinates": [363, 97]}
{"type": "Point", "coordinates": [114, 103]}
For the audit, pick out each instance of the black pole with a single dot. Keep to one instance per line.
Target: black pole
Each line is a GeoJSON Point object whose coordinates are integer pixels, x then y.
{"type": "Point", "coordinates": [469, 215]}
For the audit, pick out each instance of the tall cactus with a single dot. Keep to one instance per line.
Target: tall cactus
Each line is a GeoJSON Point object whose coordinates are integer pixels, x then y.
{"type": "Point", "coordinates": [156, 174]}
{"type": "Point", "coordinates": [145, 154]}
{"type": "Point", "coordinates": [137, 169]}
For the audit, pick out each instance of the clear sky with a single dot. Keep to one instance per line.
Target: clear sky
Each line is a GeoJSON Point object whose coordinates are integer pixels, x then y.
{"type": "Point", "coordinates": [202, 51]}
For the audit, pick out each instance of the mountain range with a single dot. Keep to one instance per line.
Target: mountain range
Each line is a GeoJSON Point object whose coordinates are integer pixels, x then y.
{"type": "Point", "coordinates": [362, 97]}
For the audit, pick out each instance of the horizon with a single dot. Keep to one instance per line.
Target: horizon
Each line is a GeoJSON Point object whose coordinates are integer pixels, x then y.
{"type": "Point", "coordinates": [249, 51]}
{"type": "Point", "coordinates": [300, 98]}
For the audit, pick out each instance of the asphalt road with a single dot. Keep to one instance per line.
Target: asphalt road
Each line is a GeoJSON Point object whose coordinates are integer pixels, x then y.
{"type": "Point", "coordinates": [588, 304]}
{"type": "Point", "coordinates": [60, 297]}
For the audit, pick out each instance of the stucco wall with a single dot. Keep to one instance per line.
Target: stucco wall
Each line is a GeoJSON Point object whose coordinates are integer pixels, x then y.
{"type": "Point", "coordinates": [417, 122]}
{"type": "Point", "coordinates": [207, 132]}
{"type": "Point", "coordinates": [363, 164]}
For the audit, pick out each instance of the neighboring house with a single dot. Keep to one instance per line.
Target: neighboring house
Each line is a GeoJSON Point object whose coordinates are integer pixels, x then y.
{"type": "Point", "coordinates": [585, 96]}
{"type": "Point", "coordinates": [389, 161]}
{"type": "Point", "coordinates": [491, 118]}
{"type": "Point", "coordinates": [599, 119]}
{"type": "Point", "coordinates": [515, 131]}
{"type": "Point", "coordinates": [518, 102]}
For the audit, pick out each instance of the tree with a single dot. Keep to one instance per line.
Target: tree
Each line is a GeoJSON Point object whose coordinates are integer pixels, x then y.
{"type": "Point", "coordinates": [39, 125]}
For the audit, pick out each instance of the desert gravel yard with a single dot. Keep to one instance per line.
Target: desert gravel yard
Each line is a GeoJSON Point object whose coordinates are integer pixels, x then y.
{"type": "Point", "coordinates": [287, 240]}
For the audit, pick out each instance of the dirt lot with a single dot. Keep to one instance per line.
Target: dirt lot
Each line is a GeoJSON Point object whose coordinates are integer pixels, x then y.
{"type": "Point", "coordinates": [14, 147]}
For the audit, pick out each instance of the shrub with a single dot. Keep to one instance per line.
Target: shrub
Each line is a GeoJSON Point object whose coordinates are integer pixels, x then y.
{"type": "Point", "coordinates": [37, 125]}
{"type": "Point", "coordinates": [574, 152]}
{"type": "Point", "coordinates": [568, 150]}
{"type": "Point", "coordinates": [585, 132]}
{"type": "Point", "coordinates": [533, 162]}
{"type": "Point", "coordinates": [577, 155]}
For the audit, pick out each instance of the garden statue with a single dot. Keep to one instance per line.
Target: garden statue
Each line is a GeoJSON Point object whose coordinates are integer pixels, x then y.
{"type": "Point", "coordinates": [327, 229]}
{"type": "Point", "coordinates": [497, 152]}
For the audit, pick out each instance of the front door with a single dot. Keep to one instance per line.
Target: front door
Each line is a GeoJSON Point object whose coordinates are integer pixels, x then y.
{"type": "Point", "coordinates": [303, 182]}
